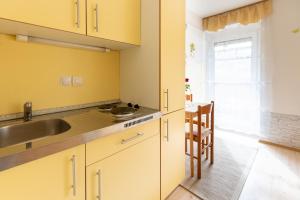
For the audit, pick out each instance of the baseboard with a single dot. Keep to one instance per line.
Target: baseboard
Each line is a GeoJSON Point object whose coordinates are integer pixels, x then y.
{"type": "Point", "coordinates": [279, 145]}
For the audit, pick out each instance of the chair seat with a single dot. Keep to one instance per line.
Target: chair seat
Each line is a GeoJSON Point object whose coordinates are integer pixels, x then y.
{"type": "Point", "coordinates": [205, 131]}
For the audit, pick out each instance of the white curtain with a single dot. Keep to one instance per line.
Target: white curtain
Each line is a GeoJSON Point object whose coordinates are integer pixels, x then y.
{"type": "Point", "coordinates": [237, 77]}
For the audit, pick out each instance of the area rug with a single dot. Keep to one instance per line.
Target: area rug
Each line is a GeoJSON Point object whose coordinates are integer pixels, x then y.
{"type": "Point", "coordinates": [224, 180]}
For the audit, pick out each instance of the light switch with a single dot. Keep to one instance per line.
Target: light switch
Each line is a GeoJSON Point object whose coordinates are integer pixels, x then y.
{"type": "Point", "coordinates": [66, 81]}
{"type": "Point", "coordinates": [77, 81]}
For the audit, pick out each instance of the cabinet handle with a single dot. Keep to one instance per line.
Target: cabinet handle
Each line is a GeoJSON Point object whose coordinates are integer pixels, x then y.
{"type": "Point", "coordinates": [99, 184]}
{"type": "Point", "coordinates": [125, 141]}
{"type": "Point", "coordinates": [77, 4]}
{"type": "Point", "coordinates": [166, 136]}
{"type": "Point", "coordinates": [166, 93]}
{"type": "Point", "coordinates": [96, 20]}
{"type": "Point", "coordinates": [74, 174]}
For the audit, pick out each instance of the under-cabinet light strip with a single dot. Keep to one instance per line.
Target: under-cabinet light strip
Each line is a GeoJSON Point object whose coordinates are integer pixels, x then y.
{"type": "Point", "coordinates": [25, 38]}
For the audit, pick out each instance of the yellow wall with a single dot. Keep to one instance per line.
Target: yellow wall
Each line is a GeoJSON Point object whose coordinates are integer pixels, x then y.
{"type": "Point", "coordinates": [31, 72]}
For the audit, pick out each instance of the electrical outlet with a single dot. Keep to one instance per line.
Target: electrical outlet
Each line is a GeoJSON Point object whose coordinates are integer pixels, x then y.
{"type": "Point", "coordinates": [77, 81]}
{"type": "Point", "coordinates": [65, 81]}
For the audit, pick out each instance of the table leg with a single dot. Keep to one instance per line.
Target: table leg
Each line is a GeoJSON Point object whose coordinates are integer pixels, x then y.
{"type": "Point", "coordinates": [191, 147]}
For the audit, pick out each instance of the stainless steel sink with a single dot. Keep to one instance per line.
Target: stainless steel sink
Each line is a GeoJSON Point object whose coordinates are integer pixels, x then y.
{"type": "Point", "coordinates": [19, 133]}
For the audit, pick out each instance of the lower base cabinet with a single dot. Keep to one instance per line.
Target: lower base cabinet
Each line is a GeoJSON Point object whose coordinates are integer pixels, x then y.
{"type": "Point", "coordinates": [60, 176]}
{"type": "Point", "coordinates": [133, 173]}
{"type": "Point", "coordinates": [172, 152]}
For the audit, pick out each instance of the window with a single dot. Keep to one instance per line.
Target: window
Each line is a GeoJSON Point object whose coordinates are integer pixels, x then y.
{"type": "Point", "coordinates": [234, 85]}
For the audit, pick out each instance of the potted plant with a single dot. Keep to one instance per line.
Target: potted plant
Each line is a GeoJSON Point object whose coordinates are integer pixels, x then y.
{"type": "Point", "coordinates": [187, 86]}
{"type": "Point", "coordinates": [192, 49]}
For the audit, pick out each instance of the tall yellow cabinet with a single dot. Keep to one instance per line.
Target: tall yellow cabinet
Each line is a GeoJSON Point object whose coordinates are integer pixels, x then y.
{"type": "Point", "coordinates": [172, 47]}
{"type": "Point", "coordinates": [60, 176]}
{"type": "Point", "coordinates": [172, 152]}
{"type": "Point", "coordinates": [172, 66]}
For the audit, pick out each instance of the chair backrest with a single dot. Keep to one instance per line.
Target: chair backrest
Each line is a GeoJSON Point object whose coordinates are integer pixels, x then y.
{"type": "Point", "coordinates": [189, 97]}
{"type": "Point", "coordinates": [208, 111]}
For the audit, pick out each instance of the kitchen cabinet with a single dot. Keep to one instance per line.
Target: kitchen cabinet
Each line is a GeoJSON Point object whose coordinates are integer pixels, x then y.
{"type": "Point", "coordinates": [106, 21]}
{"type": "Point", "coordinates": [172, 62]}
{"type": "Point", "coordinates": [59, 176]}
{"type": "Point", "coordinates": [101, 148]}
{"type": "Point", "coordinates": [133, 173]}
{"type": "Point", "coordinates": [172, 152]}
{"type": "Point", "coordinates": [66, 15]}
{"type": "Point", "coordinates": [117, 20]}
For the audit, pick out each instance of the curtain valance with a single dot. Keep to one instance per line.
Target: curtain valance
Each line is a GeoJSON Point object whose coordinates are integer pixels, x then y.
{"type": "Point", "coordinates": [244, 15]}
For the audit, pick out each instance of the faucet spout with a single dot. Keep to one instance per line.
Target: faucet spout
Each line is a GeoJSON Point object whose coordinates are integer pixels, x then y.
{"type": "Point", "coordinates": [27, 111]}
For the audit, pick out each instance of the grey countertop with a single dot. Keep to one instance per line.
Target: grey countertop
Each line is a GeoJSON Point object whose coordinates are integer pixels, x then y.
{"type": "Point", "coordinates": [86, 125]}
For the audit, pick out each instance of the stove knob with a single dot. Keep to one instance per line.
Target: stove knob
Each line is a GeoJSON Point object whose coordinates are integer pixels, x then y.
{"type": "Point", "coordinates": [130, 105]}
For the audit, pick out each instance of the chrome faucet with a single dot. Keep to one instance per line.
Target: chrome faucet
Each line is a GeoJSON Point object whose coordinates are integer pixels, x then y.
{"type": "Point", "coordinates": [27, 111]}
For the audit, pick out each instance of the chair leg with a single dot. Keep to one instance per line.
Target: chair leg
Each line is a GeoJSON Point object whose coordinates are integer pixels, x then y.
{"type": "Point", "coordinates": [199, 152]}
{"type": "Point", "coordinates": [185, 146]}
{"type": "Point", "coordinates": [212, 149]}
{"type": "Point", "coordinates": [207, 149]}
{"type": "Point", "coordinates": [202, 146]}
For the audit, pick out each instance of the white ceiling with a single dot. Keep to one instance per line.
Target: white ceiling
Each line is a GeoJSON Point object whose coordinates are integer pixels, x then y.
{"type": "Point", "coordinates": [205, 8]}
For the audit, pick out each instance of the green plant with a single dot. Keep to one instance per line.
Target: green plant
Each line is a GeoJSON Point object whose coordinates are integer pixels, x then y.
{"type": "Point", "coordinates": [296, 30]}
{"type": "Point", "coordinates": [192, 48]}
{"type": "Point", "coordinates": [187, 87]}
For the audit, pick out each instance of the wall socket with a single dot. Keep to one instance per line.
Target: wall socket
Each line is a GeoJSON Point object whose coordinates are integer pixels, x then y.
{"type": "Point", "coordinates": [73, 81]}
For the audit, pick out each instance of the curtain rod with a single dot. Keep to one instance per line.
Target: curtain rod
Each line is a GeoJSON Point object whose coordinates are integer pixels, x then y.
{"type": "Point", "coordinates": [233, 40]}
{"type": "Point", "coordinates": [252, 4]}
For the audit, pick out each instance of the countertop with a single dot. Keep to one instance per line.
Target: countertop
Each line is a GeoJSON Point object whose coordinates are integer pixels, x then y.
{"type": "Point", "coordinates": [86, 125]}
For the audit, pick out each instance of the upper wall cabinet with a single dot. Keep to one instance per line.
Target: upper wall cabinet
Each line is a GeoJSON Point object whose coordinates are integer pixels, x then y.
{"type": "Point", "coordinates": [117, 20]}
{"type": "Point", "coordinates": [104, 23]}
{"type": "Point", "coordinates": [66, 15]}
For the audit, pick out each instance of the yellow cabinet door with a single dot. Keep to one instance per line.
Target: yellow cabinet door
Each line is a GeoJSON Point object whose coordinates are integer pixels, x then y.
{"type": "Point", "coordinates": [104, 147]}
{"type": "Point", "coordinates": [117, 20]}
{"type": "Point", "coordinates": [172, 55]}
{"type": "Point", "coordinates": [172, 152]}
{"type": "Point", "coordinates": [131, 174]}
{"type": "Point", "coordinates": [49, 178]}
{"type": "Point", "coordinates": [67, 15]}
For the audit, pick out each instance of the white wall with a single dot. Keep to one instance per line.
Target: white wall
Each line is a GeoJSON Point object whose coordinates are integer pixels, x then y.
{"type": "Point", "coordinates": [285, 47]}
{"type": "Point", "coordinates": [194, 64]}
{"type": "Point", "coordinates": [143, 60]}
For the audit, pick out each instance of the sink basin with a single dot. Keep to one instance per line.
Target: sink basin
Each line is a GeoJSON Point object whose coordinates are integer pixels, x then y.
{"type": "Point", "coordinates": [14, 134]}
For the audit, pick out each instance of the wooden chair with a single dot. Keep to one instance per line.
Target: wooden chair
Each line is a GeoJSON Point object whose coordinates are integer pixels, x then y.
{"type": "Point", "coordinates": [189, 97]}
{"type": "Point", "coordinates": [203, 135]}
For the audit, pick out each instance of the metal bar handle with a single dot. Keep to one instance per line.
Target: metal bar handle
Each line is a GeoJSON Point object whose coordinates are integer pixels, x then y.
{"type": "Point", "coordinates": [96, 15]}
{"type": "Point", "coordinates": [74, 174]}
{"type": "Point", "coordinates": [99, 184]}
{"type": "Point", "coordinates": [166, 92]}
{"type": "Point", "coordinates": [166, 122]}
{"type": "Point", "coordinates": [77, 3]}
{"type": "Point", "coordinates": [125, 141]}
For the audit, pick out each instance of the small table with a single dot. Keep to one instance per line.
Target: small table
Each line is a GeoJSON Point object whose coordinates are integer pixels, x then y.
{"type": "Point", "coordinates": [191, 111]}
